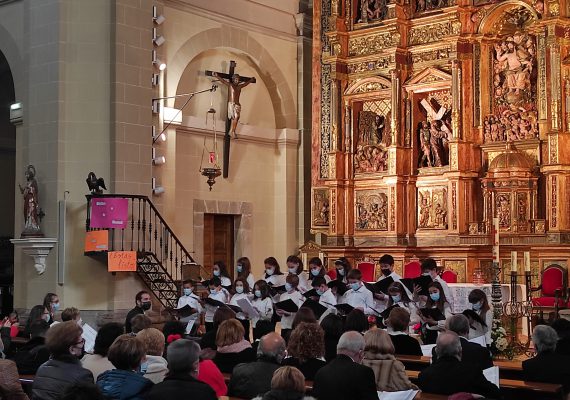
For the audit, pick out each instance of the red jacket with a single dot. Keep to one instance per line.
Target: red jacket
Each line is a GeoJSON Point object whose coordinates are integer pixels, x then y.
{"type": "Point", "coordinates": [210, 374]}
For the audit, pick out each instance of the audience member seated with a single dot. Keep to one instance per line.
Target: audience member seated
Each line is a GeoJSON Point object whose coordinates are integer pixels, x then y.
{"type": "Point", "coordinates": [547, 366]}
{"type": "Point", "coordinates": [155, 367]}
{"type": "Point", "coordinates": [222, 314]}
{"type": "Point", "coordinates": [357, 321]}
{"type": "Point", "coordinates": [71, 314]}
{"type": "Point", "coordinates": [211, 374]}
{"type": "Point", "coordinates": [305, 314]}
{"type": "Point", "coordinates": [448, 375]}
{"type": "Point", "coordinates": [34, 353]}
{"type": "Point", "coordinates": [562, 328]}
{"type": "Point", "coordinates": [232, 349]}
{"type": "Point", "coordinates": [379, 355]}
{"type": "Point", "coordinates": [172, 331]}
{"type": "Point", "coordinates": [83, 391]}
{"type": "Point", "coordinates": [98, 362]}
{"type": "Point", "coordinates": [126, 354]}
{"type": "Point", "coordinates": [306, 349]}
{"type": "Point", "coordinates": [140, 322]}
{"type": "Point", "coordinates": [63, 369]}
{"type": "Point", "coordinates": [287, 383]}
{"type": "Point", "coordinates": [253, 379]}
{"type": "Point", "coordinates": [12, 322]}
{"type": "Point", "coordinates": [344, 378]}
{"type": "Point", "coordinates": [472, 353]}
{"type": "Point", "coordinates": [181, 380]}
{"type": "Point", "coordinates": [333, 326]}
{"type": "Point", "coordinates": [10, 387]}
{"type": "Point", "coordinates": [37, 313]}
{"type": "Point", "coordinates": [398, 322]}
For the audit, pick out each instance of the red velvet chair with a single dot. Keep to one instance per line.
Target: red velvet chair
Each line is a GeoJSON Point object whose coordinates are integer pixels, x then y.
{"type": "Point", "coordinates": [552, 288]}
{"type": "Point", "coordinates": [367, 269]}
{"type": "Point", "coordinates": [412, 269]}
{"type": "Point", "coordinates": [449, 276]}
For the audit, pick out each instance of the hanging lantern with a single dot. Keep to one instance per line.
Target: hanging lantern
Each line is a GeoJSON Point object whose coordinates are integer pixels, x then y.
{"type": "Point", "coordinates": [212, 171]}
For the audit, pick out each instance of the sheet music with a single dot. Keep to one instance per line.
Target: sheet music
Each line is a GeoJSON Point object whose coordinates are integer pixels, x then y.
{"type": "Point", "coordinates": [492, 375]}
{"type": "Point", "coordinates": [479, 340]}
{"type": "Point", "coordinates": [89, 334]}
{"type": "Point", "coordinates": [401, 395]}
{"type": "Point", "coordinates": [426, 349]}
{"type": "Point", "coordinates": [189, 326]}
{"type": "Point", "coordinates": [247, 308]}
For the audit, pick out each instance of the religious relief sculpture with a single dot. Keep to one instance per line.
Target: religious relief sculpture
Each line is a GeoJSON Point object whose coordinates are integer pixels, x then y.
{"type": "Point", "coordinates": [373, 138]}
{"type": "Point", "coordinates": [426, 5]}
{"type": "Point", "coordinates": [432, 208]}
{"type": "Point", "coordinates": [514, 91]}
{"type": "Point", "coordinates": [321, 205]}
{"type": "Point", "coordinates": [434, 132]}
{"type": "Point", "coordinates": [371, 210]}
{"type": "Point", "coordinates": [371, 10]}
{"type": "Point", "coordinates": [32, 211]}
{"type": "Point", "coordinates": [503, 208]}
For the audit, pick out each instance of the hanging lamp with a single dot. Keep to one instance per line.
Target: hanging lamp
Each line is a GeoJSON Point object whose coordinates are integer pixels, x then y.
{"type": "Point", "coordinates": [212, 169]}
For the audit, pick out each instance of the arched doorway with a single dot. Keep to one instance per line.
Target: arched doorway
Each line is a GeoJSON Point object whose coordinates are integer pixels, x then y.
{"type": "Point", "coordinates": [7, 186]}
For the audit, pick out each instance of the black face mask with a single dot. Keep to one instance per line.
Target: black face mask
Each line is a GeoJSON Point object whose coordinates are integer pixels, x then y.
{"type": "Point", "coordinates": [386, 272]}
{"type": "Point", "coordinates": [145, 305]}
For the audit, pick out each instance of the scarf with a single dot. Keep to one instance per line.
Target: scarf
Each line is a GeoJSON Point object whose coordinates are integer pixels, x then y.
{"type": "Point", "coordinates": [235, 347]}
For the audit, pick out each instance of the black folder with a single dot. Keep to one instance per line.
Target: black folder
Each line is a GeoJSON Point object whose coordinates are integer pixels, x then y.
{"type": "Point", "coordinates": [422, 281]}
{"type": "Point", "coordinates": [386, 313]}
{"type": "Point", "coordinates": [382, 285]}
{"type": "Point", "coordinates": [214, 302]}
{"type": "Point", "coordinates": [275, 290]}
{"type": "Point", "coordinates": [318, 309]}
{"type": "Point", "coordinates": [235, 309]}
{"type": "Point", "coordinates": [433, 313]}
{"type": "Point", "coordinates": [185, 311]}
{"type": "Point", "coordinates": [287, 305]}
{"type": "Point", "coordinates": [344, 308]}
{"type": "Point", "coordinates": [311, 293]}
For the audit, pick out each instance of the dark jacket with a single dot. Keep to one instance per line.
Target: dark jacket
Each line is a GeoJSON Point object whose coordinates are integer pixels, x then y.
{"type": "Point", "coordinates": [123, 385]}
{"type": "Point", "coordinates": [181, 386]}
{"type": "Point", "coordinates": [448, 375]}
{"type": "Point", "coordinates": [330, 347]}
{"type": "Point", "coordinates": [563, 346]}
{"type": "Point", "coordinates": [227, 361]}
{"type": "Point", "coordinates": [309, 368]}
{"type": "Point", "coordinates": [208, 340]}
{"type": "Point", "coordinates": [406, 345]}
{"type": "Point", "coordinates": [31, 355]}
{"type": "Point", "coordinates": [252, 379]}
{"type": "Point", "coordinates": [548, 367]}
{"type": "Point", "coordinates": [55, 376]}
{"type": "Point", "coordinates": [472, 353]}
{"type": "Point", "coordinates": [135, 311]}
{"type": "Point", "coordinates": [283, 395]}
{"type": "Point", "coordinates": [343, 379]}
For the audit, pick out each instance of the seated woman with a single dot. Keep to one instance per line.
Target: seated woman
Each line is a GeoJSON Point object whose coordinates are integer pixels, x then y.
{"type": "Point", "coordinates": [436, 301]}
{"type": "Point", "coordinates": [287, 384]}
{"type": "Point", "coordinates": [63, 369]}
{"type": "Point", "coordinates": [398, 323]}
{"type": "Point", "coordinates": [232, 349]}
{"type": "Point", "coordinates": [333, 326]}
{"type": "Point", "coordinates": [398, 296]}
{"type": "Point", "coordinates": [208, 341]}
{"type": "Point", "coordinates": [10, 385]}
{"type": "Point", "coordinates": [98, 362]}
{"type": "Point", "coordinates": [482, 322]}
{"type": "Point", "coordinates": [37, 313]}
{"type": "Point", "coordinates": [306, 349]}
{"type": "Point", "coordinates": [125, 382]}
{"type": "Point", "coordinates": [379, 355]}
{"type": "Point", "coordinates": [155, 366]}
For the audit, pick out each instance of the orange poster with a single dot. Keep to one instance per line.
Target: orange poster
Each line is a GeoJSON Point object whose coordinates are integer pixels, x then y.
{"type": "Point", "coordinates": [122, 261]}
{"type": "Point", "coordinates": [97, 241]}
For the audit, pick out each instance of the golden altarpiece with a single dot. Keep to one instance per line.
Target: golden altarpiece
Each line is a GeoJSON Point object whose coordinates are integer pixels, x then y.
{"type": "Point", "coordinates": [431, 118]}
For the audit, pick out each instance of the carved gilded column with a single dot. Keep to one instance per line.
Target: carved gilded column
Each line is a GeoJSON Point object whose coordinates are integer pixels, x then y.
{"type": "Point", "coordinates": [347, 127]}
{"type": "Point", "coordinates": [541, 81]}
{"type": "Point", "coordinates": [555, 93]}
{"type": "Point", "coordinates": [456, 98]}
{"type": "Point", "coordinates": [395, 106]}
{"type": "Point", "coordinates": [567, 101]}
{"type": "Point", "coordinates": [334, 117]}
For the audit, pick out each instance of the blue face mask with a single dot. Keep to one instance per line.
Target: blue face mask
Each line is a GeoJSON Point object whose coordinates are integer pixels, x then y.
{"type": "Point", "coordinates": [213, 291]}
{"type": "Point", "coordinates": [239, 289]}
{"type": "Point", "coordinates": [476, 306]}
{"type": "Point", "coordinates": [239, 268]}
{"type": "Point", "coordinates": [258, 293]}
{"type": "Point", "coordinates": [55, 307]}
{"type": "Point", "coordinates": [434, 296]}
{"type": "Point", "coordinates": [397, 298]}
{"type": "Point", "coordinates": [340, 271]}
{"type": "Point", "coordinates": [143, 368]}
{"type": "Point", "coordinates": [355, 286]}
{"type": "Point", "coordinates": [270, 271]}
{"type": "Point", "coordinates": [187, 292]}
{"type": "Point", "coordinates": [288, 287]}
{"type": "Point", "coordinates": [315, 272]}
{"type": "Point", "coordinates": [320, 292]}
{"type": "Point", "coordinates": [293, 270]}
{"type": "Point", "coordinates": [216, 272]}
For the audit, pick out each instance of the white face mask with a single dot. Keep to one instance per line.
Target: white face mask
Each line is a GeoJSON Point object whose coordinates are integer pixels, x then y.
{"type": "Point", "coordinates": [45, 317]}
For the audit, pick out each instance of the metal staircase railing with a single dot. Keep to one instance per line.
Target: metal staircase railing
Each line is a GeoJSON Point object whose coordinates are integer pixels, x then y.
{"type": "Point", "coordinates": [160, 254]}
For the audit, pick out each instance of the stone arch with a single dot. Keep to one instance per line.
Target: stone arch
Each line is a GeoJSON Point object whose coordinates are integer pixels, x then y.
{"type": "Point", "coordinates": [494, 20]}
{"type": "Point", "coordinates": [237, 39]}
{"type": "Point", "coordinates": [9, 48]}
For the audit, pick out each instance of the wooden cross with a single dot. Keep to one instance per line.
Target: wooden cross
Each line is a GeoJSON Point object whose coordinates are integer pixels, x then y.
{"type": "Point", "coordinates": [235, 83]}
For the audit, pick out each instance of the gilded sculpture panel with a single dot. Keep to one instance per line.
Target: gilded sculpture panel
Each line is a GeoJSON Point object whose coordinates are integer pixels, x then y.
{"type": "Point", "coordinates": [373, 137]}
{"type": "Point", "coordinates": [434, 129]}
{"type": "Point", "coordinates": [373, 44]}
{"type": "Point", "coordinates": [428, 5]}
{"type": "Point", "coordinates": [371, 210]}
{"type": "Point", "coordinates": [320, 208]}
{"type": "Point", "coordinates": [503, 210]}
{"type": "Point", "coordinates": [424, 34]}
{"type": "Point", "coordinates": [432, 208]}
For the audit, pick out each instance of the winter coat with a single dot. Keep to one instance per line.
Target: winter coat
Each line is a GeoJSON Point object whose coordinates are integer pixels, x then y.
{"type": "Point", "coordinates": [390, 373]}
{"type": "Point", "coordinates": [56, 375]}
{"type": "Point", "coordinates": [156, 370]}
{"type": "Point", "coordinates": [119, 384]}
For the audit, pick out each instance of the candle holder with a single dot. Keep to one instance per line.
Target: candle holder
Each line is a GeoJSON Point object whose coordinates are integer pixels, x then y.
{"type": "Point", "coordinates": [515, 310]}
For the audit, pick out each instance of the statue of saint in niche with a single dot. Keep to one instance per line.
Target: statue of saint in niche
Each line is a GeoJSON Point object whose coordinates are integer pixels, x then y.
{"type": "Point", "coordinates": [32, 211]}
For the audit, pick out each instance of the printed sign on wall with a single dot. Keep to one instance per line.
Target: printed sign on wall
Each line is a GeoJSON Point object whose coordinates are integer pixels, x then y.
{"type": "Point", "coordinates": [97, 240]}
{"type": "Point", "coordinates": [109, 213]}
{"type": "Point", "coordinates": [122, 261]}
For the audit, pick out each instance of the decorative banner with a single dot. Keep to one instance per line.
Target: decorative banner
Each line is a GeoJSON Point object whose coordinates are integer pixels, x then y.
{"type": "Point", "coordinates": [109, 213]}
{"type": "Point", "coordinates": [96, 240]}
{"type": "Point", "coordinates": [122, 261]}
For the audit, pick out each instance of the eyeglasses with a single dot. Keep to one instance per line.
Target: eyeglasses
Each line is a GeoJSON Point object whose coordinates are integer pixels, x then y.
{"type": "Point", "coordinates": [80, 343]}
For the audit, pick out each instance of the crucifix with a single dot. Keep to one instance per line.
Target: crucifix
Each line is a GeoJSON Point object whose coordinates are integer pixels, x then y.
{"type": "Point", "coordinates": [235, 83]}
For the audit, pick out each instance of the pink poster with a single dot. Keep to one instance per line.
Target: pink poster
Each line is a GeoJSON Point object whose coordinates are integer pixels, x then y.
{"type": "Point", "coordinates": [109, 213]}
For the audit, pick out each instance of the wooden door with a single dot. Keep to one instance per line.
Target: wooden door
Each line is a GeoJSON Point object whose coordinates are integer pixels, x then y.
{"type": "Point", "coordinates": [219, 240]}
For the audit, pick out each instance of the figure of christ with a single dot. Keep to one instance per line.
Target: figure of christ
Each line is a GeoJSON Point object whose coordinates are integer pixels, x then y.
{"type": "Point", "coordinates": [516, 74]}
{"type": "Point", "coordinates": [425, 136]}
{"type": "Point", "coordinates": [435, 144]}
{"type": "Point", "coordinates": [234, 106]}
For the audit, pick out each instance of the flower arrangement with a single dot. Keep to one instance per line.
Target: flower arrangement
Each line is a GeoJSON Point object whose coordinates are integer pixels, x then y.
{"type": "Point", "coordinates": [500, 345]}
